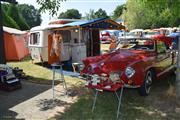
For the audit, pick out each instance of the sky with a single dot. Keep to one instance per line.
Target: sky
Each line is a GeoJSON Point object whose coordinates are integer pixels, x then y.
{"type": "Point", "coordinates": [82, 5]}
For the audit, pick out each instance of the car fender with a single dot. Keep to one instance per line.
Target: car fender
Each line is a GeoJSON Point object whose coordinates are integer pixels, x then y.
{"type": "Point", "coordinates": [139, 67]}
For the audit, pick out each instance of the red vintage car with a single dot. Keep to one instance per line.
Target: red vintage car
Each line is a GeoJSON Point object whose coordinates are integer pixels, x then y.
{"type": "Point", "coordinates": [136, 62]}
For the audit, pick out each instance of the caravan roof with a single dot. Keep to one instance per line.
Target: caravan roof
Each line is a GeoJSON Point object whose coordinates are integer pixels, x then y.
{"type": "Point", "coordinates": [45, 27]}
{"type": "Point", "coordinates": [63, 21]}
{"type": "Point", "coordinates": [99, 23]}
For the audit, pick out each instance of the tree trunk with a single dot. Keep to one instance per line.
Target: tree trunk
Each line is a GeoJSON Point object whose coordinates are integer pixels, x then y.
{"type": "Point", "coordinates": [178, 72]}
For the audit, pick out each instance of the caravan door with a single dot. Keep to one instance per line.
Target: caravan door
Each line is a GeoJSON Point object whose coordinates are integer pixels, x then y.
{"type": "Point", "coordinates": [66, 49]}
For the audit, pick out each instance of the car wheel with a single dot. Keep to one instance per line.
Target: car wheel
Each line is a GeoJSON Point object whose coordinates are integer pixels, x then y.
{"type": "Point", "coordinates": [173, 72]}
{"type": "Point", "coordinates": [146, 86]}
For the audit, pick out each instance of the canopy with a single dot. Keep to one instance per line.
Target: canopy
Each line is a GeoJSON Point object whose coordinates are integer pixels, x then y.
{"type": "Point", "coordinates": [99, 23]}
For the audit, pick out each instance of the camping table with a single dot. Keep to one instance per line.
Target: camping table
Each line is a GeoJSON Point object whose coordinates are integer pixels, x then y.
{"type": "Point", "coordinates": [113, 88]}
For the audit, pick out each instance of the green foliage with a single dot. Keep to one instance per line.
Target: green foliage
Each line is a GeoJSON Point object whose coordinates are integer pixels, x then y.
{"type": "Point", "coordinates": [7, 20]}
{"type": "Point", "coordinates": [152, 14]}
{"type": "Point", "coordinates": [5, 6]}
{"type": "Point", "coordinates": [13, 11]}
{"type": "Point", "coordinates": [50, 5]}
{"type": "Point", "coordinates": [70, 14]}
{"type": "Point", "coordinates": [98, 14]}
{"type": "Point", "coordinates": [90, 15]}
{"type": "Point", "coordinates": [21, 16]}
{"type": "Point", "coordinates": [101, 14]}
{"type": "Point", "coordinates": [31, 15]}
{"type": "Point", "coordinates": [118, 11]}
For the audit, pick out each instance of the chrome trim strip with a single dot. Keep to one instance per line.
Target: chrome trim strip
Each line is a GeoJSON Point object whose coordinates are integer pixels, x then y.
{"type": "Point", "coordinates": [129, 86]}
{"type": "Point", "coordinates": [12, 81]}
{"type": "Point", "coordinates": [125, 85]}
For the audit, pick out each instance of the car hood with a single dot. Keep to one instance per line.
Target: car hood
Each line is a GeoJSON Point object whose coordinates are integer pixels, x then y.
{"type": "Point", "coordinates": [114, 61]}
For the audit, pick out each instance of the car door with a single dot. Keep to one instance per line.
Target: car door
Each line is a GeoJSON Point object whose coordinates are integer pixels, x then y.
{"type": "Point", "coordinates": [163, 57]}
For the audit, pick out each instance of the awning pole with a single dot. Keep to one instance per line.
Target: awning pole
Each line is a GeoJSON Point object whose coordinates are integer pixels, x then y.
{"type": "Point", "coordinates": [79, 36]}
{"type": "Point", "coordinates": [92, 41]}
{"type": "Point", "coordinates": [80, 43]}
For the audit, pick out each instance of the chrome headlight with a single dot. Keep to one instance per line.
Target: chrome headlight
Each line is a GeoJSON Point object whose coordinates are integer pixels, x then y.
{"type": "Point", "coordinates": [129, 72]}
{"type": "Point", "coordinates": [90, 68]}
{"type": "Point", "coordinates": [81, 67]}
{"type": "Point", "coordinates": [114, 76]}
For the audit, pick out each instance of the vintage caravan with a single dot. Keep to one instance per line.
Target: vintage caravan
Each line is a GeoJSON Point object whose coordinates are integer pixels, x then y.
{"type": "Point", "coordinates": [73, 49]}
{"type": "Point", "coordinates": [80, 39]}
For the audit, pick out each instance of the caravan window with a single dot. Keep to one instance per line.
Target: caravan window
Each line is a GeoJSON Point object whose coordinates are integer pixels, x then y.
{"type": "Point", "coordinates": [34, 38]}
{"type": "Point", "coordinates": [66, 34]}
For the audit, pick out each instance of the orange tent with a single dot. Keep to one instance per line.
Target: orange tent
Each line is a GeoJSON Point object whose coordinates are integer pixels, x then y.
{"type": "Point", "coordinates": [15, 43]}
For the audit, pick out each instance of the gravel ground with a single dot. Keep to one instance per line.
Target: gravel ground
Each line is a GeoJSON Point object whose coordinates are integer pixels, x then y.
{"type": "Point", "coordinates": [33, 102]}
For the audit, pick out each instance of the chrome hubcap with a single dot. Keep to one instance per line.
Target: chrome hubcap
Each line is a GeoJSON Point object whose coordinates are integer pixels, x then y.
{"type": "Point", "coordinates": [148, 81]}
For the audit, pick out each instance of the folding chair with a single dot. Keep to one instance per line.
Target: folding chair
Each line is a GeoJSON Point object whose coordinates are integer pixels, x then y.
{"type": "Point", "coordinates": [114, 88]}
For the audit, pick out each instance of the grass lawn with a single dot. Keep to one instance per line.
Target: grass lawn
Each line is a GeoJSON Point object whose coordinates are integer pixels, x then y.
{"type": "Point", "coordinates": [40, 74]}
{"type": "Point", "coordinates": [159, 105]}
{"type": "Point", "coordinates": [104, 48]}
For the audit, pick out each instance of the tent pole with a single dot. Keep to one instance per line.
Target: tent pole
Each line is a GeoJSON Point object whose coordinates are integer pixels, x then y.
{"type": "Point", "coordinates": [92, 53]}
{"type": "Point", "coordinates": [2, 47]}
{"type": "Point", "coordinates": [80, 43]}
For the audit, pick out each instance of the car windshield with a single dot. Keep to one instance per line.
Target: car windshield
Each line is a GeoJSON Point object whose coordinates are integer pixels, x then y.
{"type": "Point", "coordinates": [136, 44]}
{"type": "Point", "coordinates": [152, 33]}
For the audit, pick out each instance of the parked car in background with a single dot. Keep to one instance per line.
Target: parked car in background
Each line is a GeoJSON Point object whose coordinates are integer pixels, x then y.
{"type": "Point", "coordinates": [136, 62]}
{"type": "Point", "coordinates": [105, 35]}
{"type": "Point", "coordinates": [150, 33]}
{"type": "Point", "coordinates": [133, 33]}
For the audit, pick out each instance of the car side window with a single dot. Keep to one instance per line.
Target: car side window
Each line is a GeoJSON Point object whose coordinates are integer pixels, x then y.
{"type": "Point", "coordinates": [161, 47]}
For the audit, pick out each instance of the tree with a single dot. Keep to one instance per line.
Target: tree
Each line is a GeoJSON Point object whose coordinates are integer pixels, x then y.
{"type": "Point", "coordinates": [31, 15]}
{"type": "Point", "coordinates": [98, 14]}
{"type": "Point", "coordinates": [16, 15]}
{"type": "Point", "coordinates": [152, 14]}
{"type": "Point", "coordinates": [7, 20]}
{"type": "Point", "coordinates": [50, 5]}
{"type": "Point", "coordinates": [70, 14]}
{"type": "Point", "coordinates": [101, 14]}
{"type": "Point", "coordinates": [118, 11]}
{"type": "Point", "coordinates": [90, 15]}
